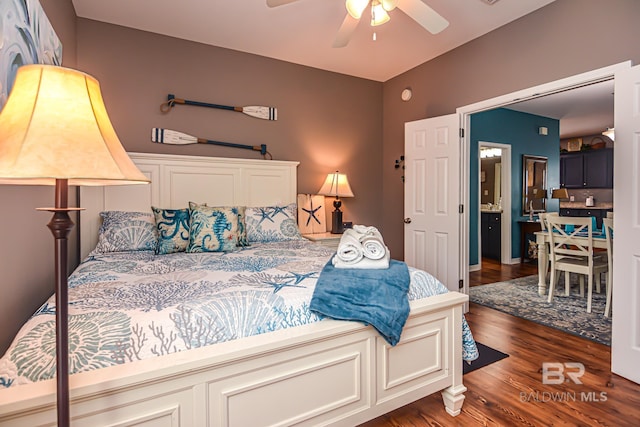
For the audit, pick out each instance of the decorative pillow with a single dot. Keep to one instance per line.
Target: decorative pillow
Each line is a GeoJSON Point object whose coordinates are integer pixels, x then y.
{"type": "Point", "coordinates": [172, 226]}
{"type": "Point", "coordinates": [272, 223]}
{"type": "Point", "coordinates": [242, 227]}
{"type": "Point", "coordinates": [126, 231]}
{"type": "Point", "coordinates": [212, 229]}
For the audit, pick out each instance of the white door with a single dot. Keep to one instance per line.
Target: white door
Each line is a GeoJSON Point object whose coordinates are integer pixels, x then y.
{"type": "Point", "coordinates": [432, 197]}
{"type": "Point", "coordinates": [625, 340]}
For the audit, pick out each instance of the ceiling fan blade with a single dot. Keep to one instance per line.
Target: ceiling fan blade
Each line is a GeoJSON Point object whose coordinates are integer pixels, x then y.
{"type": "Point", "coordinates": [276, 3]}
{"type": "Point", "coordinates": [431, 20]}
{"type": "Point", "coordinates": [346, 30]}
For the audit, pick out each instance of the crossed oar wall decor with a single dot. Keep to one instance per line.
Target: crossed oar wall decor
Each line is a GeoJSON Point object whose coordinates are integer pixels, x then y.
{"type": "Point", "coordinates": [265, 113]}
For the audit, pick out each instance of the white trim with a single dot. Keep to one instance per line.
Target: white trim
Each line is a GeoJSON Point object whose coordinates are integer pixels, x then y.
{"type": "Point", "coordinates": [465, 112]}
{"type": "Point", "coordinates": [505, 191]}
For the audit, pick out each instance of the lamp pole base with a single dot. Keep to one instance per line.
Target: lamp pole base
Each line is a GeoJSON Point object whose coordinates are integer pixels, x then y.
{"type": "Point", "coordinates": [336, 222]}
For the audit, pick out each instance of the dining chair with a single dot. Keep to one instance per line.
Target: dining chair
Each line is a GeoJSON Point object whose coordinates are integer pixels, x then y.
{"type": "Point", "coordinates": [608, 231]}
{"type": "Point", "coordinates": [542, 217]}
{"type": "Point", "coordinates": [571, 251]}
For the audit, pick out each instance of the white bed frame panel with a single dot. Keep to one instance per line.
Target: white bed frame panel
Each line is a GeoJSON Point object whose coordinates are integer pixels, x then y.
{"type": "Point", "coordinates": [327, 373]}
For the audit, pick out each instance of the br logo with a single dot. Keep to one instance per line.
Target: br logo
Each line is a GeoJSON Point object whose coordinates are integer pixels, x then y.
{"type": "Point", "coordinates": [555, 373]}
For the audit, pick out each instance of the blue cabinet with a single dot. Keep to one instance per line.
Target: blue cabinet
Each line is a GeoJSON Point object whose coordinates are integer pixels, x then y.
{"type": "Point", "coordinates": [587, 169]}
{"type": "Point", "coordinates": [491, 235]}
{"type": "Point", "coordinates": [595, 212]}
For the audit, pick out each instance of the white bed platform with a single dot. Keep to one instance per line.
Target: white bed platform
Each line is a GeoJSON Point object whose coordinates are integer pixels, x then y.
{"type": "Point", "coordinates": [326, 373]}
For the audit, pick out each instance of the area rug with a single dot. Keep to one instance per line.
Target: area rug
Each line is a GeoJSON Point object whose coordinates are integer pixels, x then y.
{"type": "Point", "coordinates": [519, 297]}
{"type": "Point", "coordinates": [487, 356]}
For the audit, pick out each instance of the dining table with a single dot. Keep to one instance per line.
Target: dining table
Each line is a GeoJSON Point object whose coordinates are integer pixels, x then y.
{"type": "Point", "coordinates": [542, 240]}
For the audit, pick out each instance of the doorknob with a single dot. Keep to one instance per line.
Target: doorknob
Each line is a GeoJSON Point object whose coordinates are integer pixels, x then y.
{"type": "Point", "coordinates": [407, 220]}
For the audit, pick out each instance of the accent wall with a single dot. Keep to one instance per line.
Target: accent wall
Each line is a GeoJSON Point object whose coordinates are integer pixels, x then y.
{"type": "Point", "coordinates": [520, 130]}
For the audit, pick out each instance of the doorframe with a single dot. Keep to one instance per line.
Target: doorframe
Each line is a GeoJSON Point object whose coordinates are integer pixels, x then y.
{"type": "Point", "coordinates": [464, 115]}
{"type": "Point", "coordinates": [505, 192]}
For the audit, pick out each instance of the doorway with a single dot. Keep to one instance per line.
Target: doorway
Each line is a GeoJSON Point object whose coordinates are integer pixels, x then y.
{"type": "Point", "coordinates": [624, 345]}
{"type": "Point", "coordinates": [465, 113]}
{"type": "Point", "coordinates": [495, 195]}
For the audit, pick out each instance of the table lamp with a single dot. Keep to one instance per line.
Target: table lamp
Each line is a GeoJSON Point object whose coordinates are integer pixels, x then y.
{"type": "Point", "coordinates": [54, 130]}
{"type": "Point", "coordinates": [336, 185]}
{"type": "Point", "coordinates": [559, 193]}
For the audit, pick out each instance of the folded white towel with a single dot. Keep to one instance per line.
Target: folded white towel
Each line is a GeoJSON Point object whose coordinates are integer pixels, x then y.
{"type": "Point", "coordinates": [373, 245]}
{"type": "Point", "coordinates": [371, 240]}
{"type": "Point", "coordinates": [365, 263]}
{"type": "Point", "coordinates": [364, 229]}
{"type": "Point", "coordinates": [350, 250]}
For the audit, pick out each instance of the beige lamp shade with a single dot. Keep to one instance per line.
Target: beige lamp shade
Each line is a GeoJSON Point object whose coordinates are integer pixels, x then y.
{"type": "Point", "coordinates": [560, 193]}
{"type": "Point", "coordinates": [537, 193]}
{"type": "Point", "coordinates": [55, 126]}
{"type": "Point", "coordinates": [336, 185]}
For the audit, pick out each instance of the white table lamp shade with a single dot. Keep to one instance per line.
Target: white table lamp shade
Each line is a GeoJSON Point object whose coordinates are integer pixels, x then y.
{"type": "Point", "coordinates": [336, 185]}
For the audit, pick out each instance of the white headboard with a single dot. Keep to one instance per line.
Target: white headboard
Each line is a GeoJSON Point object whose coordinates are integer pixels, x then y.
{"type": "Point", "coordinates": [176, 180]}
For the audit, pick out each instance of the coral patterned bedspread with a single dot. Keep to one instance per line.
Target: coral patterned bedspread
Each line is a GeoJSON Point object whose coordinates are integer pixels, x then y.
{"type": "Point", "coordinates": [129, 306]}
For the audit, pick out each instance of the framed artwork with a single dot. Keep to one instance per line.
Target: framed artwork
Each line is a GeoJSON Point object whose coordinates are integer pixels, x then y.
{"type": "Point", "coordinates": [26, 37]}
{"type": "Point", "coordinates": [311, 215]}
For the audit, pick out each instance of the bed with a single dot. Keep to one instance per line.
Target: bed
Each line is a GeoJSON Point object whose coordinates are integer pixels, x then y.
{"type": "Point", "coordinates": [194, 368]}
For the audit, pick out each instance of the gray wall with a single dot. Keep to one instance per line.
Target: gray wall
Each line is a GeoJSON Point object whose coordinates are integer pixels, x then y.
{"type": "Point", "coordinates": [327, 121]}
{"type": "Point", "coordinates": [26, 247]}
{"type": "Point", "coordinates": [538, 48]}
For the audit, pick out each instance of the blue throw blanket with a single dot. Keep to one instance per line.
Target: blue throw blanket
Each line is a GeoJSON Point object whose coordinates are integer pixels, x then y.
{"type": "Point", "coordinates": [374, 297]}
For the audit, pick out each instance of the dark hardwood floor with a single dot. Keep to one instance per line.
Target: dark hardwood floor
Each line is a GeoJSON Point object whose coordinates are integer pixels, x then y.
{"type": "Point", "coordinates": [492, 271]}
{"type": "Point", "coordinates": [510, 392]}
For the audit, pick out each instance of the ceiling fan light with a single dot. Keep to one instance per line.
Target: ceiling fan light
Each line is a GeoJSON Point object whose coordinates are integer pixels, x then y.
{"type": "Point", "coordinates": [389, 5]}
{"type": "Point", "coordinates": [378, 15]}
{"type": "Point", "coordinates": [356, 7]}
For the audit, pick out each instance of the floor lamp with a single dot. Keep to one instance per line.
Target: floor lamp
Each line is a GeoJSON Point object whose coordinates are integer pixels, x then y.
{"type": "Point", "coordinates": [54, 130]}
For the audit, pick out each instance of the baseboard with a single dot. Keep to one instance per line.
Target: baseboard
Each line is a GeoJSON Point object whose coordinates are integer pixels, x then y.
{"type": "Point", "coordinates": [475, 267]}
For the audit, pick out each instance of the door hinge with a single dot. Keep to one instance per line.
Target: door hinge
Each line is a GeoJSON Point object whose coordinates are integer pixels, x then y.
{"type": "Point", "coordinates": [460, 208]}
{"type": "Point", "coordinates": [461, 132]}
{"type": "Point", "coordinates": [460, 284]}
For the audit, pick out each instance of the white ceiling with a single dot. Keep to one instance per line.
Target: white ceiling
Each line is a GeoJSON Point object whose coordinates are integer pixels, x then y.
{"type": "Point", "coordinates": [583, 111]}
{"type": "Point", "coordinates": [303, 32]}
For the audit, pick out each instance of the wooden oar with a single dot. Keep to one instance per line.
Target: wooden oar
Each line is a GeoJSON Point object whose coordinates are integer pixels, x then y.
{"type": "Point", "coordinates": [266, 113]}
{"type": "Point", "coordinates": [168, 136]}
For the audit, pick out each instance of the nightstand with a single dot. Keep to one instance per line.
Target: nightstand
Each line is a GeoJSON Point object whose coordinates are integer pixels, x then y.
{"type": "Point", "coordinates": [325, 239]}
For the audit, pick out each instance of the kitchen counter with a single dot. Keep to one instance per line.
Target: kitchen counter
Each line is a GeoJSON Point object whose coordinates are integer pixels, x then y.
{"type": "Point", "coordinates": [581, 205]}
{"type": "Point", "coordinates": [499, 211]}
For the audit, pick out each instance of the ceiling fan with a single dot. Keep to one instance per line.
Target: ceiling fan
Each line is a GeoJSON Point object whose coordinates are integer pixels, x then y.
{"type": "Point", "coordinates": [428, 18]}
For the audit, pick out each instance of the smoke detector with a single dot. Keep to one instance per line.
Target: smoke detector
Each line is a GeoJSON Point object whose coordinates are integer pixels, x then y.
{"type": "Point", "coordinates": [489, 2]}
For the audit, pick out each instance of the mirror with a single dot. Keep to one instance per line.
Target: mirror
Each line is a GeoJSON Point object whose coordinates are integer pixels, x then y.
{"type": "Point", "coordinates": [490, 177]}
{"type": "Point", "coordinates": [534, 184]}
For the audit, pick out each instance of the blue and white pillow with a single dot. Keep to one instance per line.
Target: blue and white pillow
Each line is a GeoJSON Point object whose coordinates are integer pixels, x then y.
{"type": "Point", "coordinates": [242, 226]}
{"type": "Point", "coordinates": [272, 223]}
{"type": "Point", "coordinates": [212, 229]}
{"type": "Point", "coordinates": [126, 231]}
{"type": "Point", "coordinates": [172, 226]}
